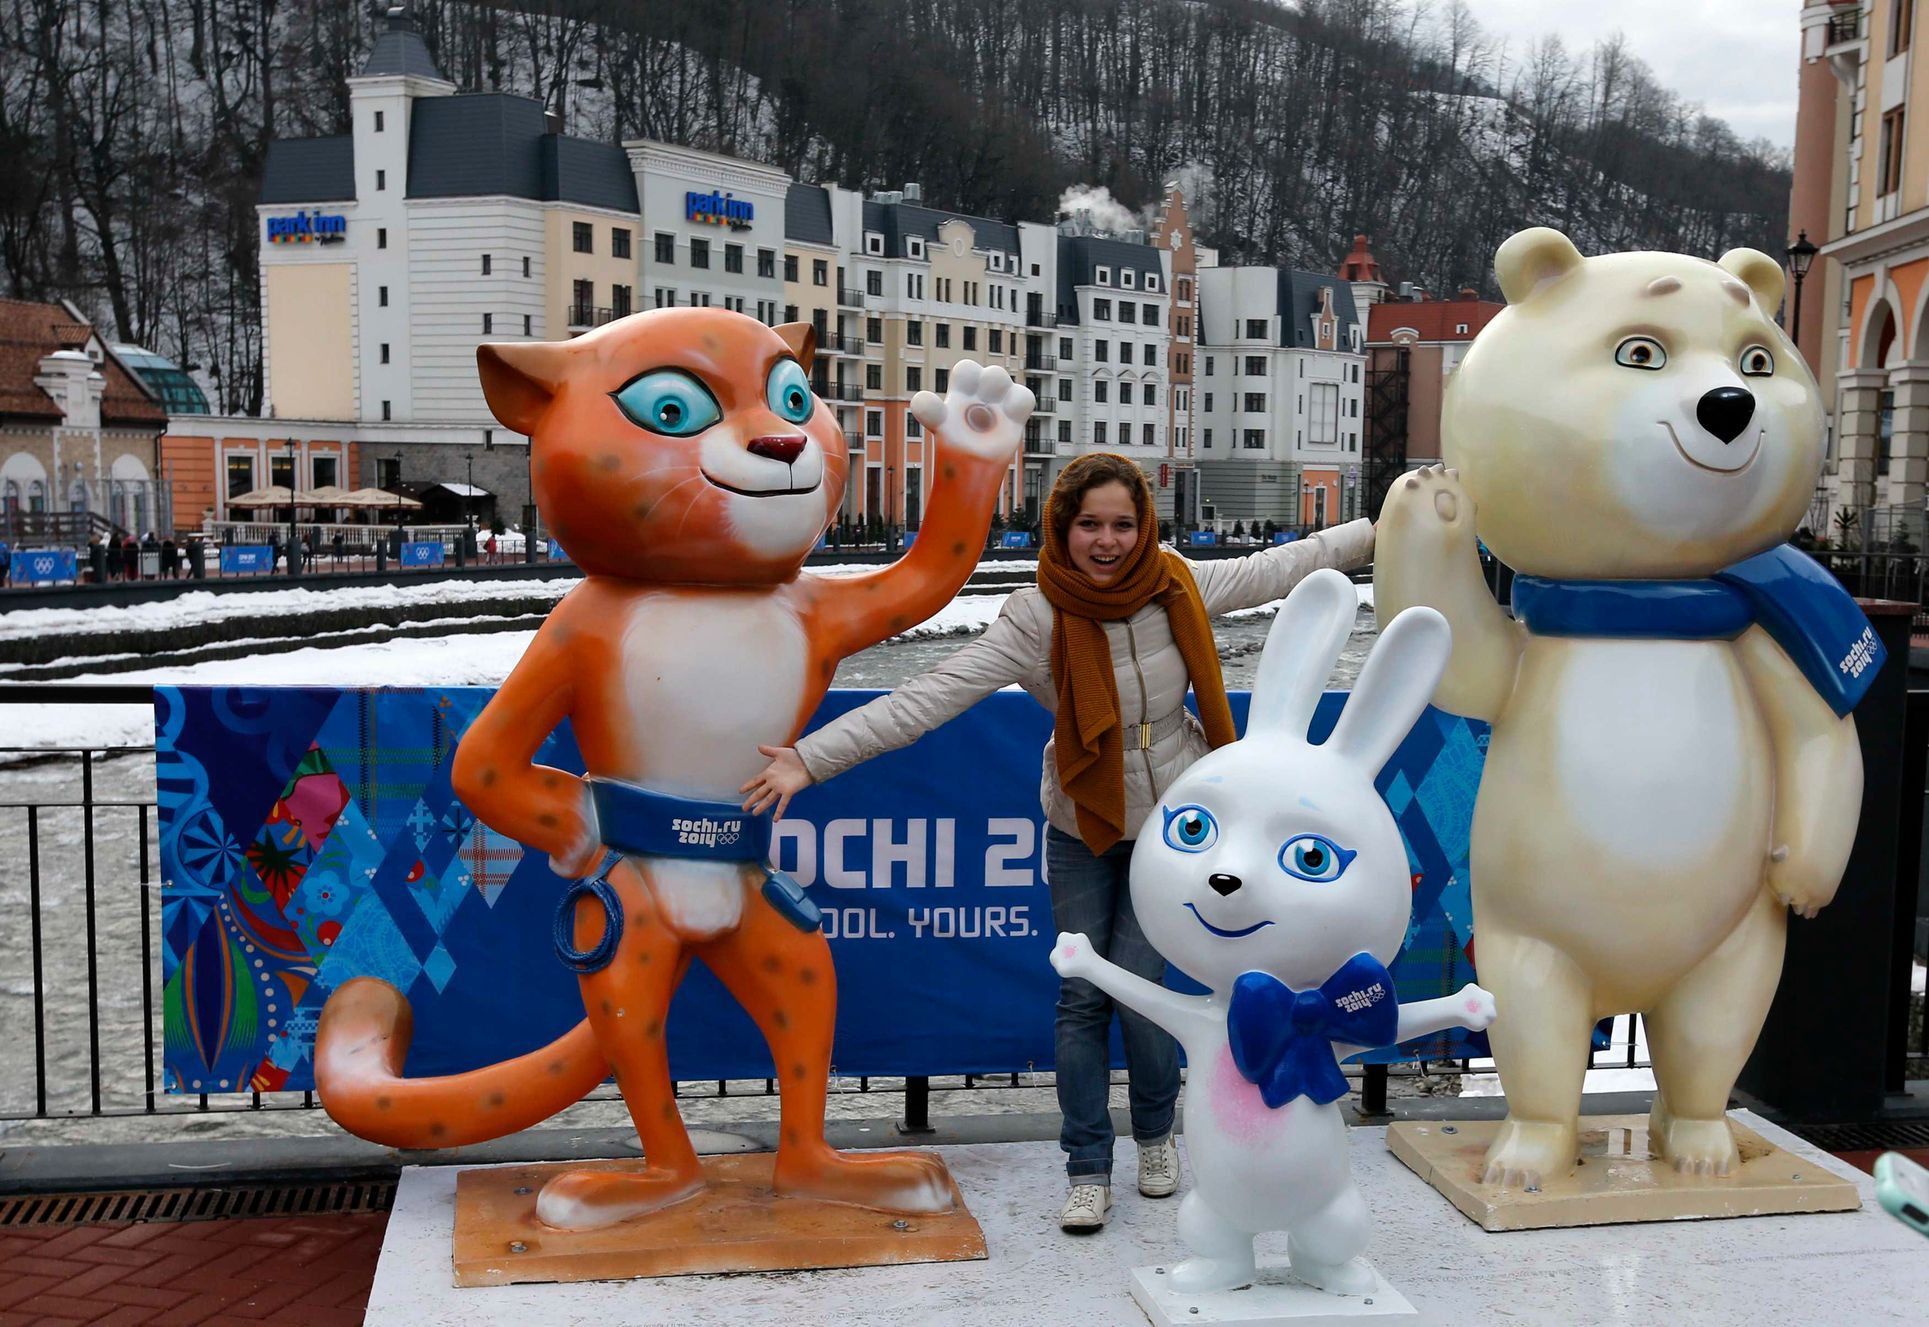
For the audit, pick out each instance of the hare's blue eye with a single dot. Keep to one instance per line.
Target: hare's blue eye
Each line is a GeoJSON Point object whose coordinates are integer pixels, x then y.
{"type": "Point", "coordinates": [668, 401]}
{"type": "Point", "coordinates": [1190, 828]}
{"type": "Point", "coordinates": [1315, 857]}
{"type": "Point", "coordinates": [788, 391]}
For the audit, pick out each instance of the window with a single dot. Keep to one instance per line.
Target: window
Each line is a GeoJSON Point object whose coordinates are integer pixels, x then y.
{"type": "Point", "coordinates": [914, 285]}
{"type": "Point", "coordinates": [381, 237]}
{"type": "Point", "coordinates": [995, 341]}
{"type": "Point", "coordinates": [700, 299]}
{"type": "Point", "coordinates": [619, 242]}
{"type": "Point", "coordinates": [766, 262]}
{"type": "Point", "coordinates": [488, 323]}
{"type": "Point", "coordinates": [874, 283]}
{"type": "Point", "coordinates": [525, 264]}
{"type": "Point", "coordinates": [1255, 440]}
{"type": "Point", "coordinates": [485, 264]}
{"type": "Point", "coordinates": [873, 242]}
{"type": "Point", "coordinates": [874, 421]}
{"type": "Point", "coordinates": [767, 312]}
{"type": "Point", "coordinates": [1150, 393]}
{"type": "Point", "coordinates": [1208, 405]}
{"type": "Point", "coordinates": [665, 247]}
{"type": "Point", "coordinates": [1208, 366]}
{"type": "Point", "coordinates": [820, 272]}
{"type": "Point", "coordinates": [913, 247]}
{"type": "Point", "coordinates": [1102, 310]}
{"type": "Point", "coordinates": [1128, 311]}
{"type": "Point", "coordinates": [912, 429]}
{"type": "Point", "coordinates": [1127, 278]}
{"type": "Point", "coordinates": [620, 302]}
{"type": "Point", "coordinates": [790, 313]}
{"type": "Point", "coordinates": [1353, 408]}
{"type": "Point", "coordinates": [1151, 281]}
{"type": "Point", "coordinates": [1098, 432]}
{"type": "Point", "coordinates": [381, 180]}
{"type": "Point", "coordinates": [1149, 314]}
{"type": "Point", "coordinates": [384, 352]}
{"type": "Point", "coordinates": [1064, 428]}
{"type": "Point", "coordinates": [528, 324]}
{"type": "Point", "coordinates": [582, 303]}
{"type": "Point", "coordinates": [665, 297]}
{"type": "Point", "coordinates": [1323, 426]}
{"type": "Point", "coordinates": [1255, 402]}
{"type": "Point", "coordinates": [241, 475]}
{"type": "Point", "coordinates": [1901, 21]}
{"type": "Point", "coordinates": [322, 471]}
{"type": "Point", "coordinates": [1205, 439]}
{"type": "Point", "coordinates": [1102, 351]}
{"type": "Point", "coordinates": [385, 410]}
{"type": "Point", "coordinates": [1102, 276]}
{"type": "Point", "coordinates": [1125, 396]}
{"type": "Point", "coordinates": [733, 258]}
{"type": "Point", "coordinates": [1460, 329]}
{"type": "Point", "coordinates": [1889, 160]}
{"type": "Point", "coordinates": [381, 297]}
{"type": "Point", "coordinates": [913, 332]}
{"type": "Point", "coordinates": [1064, 347]}
{"type": "Point", "coordinates": [1185, 288]}
{"type": "Point", "coordinates": [1151, 353]}
{"type": "Point", "coordinates": [943, 331]}
{"type": "Point", "coordinates": [1256, 366]}
{"type": "Point", "coordinates": [874, 331]}
{"type": "Point", "coordinates": [1101, 392]}
{"type": "Point", "coordinates": [583, 237]}
{"type": "Point", "coordinates": [913, 379]}
{"type": "Point", "coordinates": [378, 122]}
{"type": "Point", "coordinates": [699, 253]}
{"type": "Point", "coordinates": [874, 377]}
{"type": "Point", "coordinates": [1125, 435]}
{"type": "Point", "coordinates": [1255, 328]}
{"type": "Point", "coordinates": [940, 380]}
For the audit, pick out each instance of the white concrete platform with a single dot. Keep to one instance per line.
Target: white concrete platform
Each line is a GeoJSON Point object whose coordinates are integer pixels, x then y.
{"type": "Point", "coordinates": [1834, 1268]}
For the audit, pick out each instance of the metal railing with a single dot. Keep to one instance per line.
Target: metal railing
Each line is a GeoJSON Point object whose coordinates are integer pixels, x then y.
{"type": "Point", "coordinates": [850, 297]}
{"type": "Point", "coordinates": [1846, 27]}
{"type": "Point", "coordinates": [582, 315]}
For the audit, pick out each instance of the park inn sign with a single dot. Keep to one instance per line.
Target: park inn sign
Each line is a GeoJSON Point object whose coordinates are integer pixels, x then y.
{"type": "Point", "coordinates": [718, 209]}
{"type": "Point", "coordinates": [308, 228]}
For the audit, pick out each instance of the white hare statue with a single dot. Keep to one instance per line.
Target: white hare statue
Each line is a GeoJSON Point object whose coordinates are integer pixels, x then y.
{"type": "Point", "coordinates": [1274, 874]}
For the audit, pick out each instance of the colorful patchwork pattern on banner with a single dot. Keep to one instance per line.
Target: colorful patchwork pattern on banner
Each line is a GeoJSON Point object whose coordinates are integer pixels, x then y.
{"type": "Point", "coordinates": [311, 835]}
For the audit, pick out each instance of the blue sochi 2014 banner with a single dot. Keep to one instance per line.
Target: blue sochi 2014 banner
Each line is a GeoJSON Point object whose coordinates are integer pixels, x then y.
{"type": "Point", "coordinates": [246, 559]}
{"type": "Point", "coordinates": [310, 835]}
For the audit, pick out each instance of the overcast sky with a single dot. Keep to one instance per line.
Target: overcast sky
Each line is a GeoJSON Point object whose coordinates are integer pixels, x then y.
{"type": "Point", "coordinates": [1737, 57]}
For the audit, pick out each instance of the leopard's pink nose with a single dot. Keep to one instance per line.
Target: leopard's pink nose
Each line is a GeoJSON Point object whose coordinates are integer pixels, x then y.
{"type": "Point", "coordinates": [785, 448]}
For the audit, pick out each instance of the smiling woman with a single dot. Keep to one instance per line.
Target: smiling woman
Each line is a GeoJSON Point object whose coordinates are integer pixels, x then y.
{"type": "Point", "coordinates": [1115, 632]}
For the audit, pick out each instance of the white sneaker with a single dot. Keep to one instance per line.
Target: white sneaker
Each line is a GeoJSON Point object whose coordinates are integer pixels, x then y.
{"type": "Point", "coordinates": [1085, 1208]}
{"type": "Point", "coordinates": [1159, 1168]}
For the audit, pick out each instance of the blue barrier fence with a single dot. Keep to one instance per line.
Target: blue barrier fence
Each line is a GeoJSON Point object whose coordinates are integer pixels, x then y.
{"type": "Point", "coordinates": [247, 559]}
{"type": "Point", "coordinates": [44, 566]}
{"type": "Point", "coordinates": [421, 553]}
{"type": "Point", "coordinates": [310, 835]}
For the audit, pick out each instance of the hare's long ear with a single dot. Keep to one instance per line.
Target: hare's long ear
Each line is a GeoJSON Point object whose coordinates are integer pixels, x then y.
{"type": "Point", "coordinates": [1398, 680]}
{"type": "Point", "coordinates": [1303, 645]}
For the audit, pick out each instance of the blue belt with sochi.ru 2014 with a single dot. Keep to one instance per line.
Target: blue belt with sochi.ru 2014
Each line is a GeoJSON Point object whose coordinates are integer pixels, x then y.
{"type": "Point", "coordinates": [639, 822]}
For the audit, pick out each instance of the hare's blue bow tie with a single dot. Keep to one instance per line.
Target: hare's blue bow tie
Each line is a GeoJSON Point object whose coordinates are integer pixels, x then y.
{"type": "Point", "coordinates": [1282, 1039]}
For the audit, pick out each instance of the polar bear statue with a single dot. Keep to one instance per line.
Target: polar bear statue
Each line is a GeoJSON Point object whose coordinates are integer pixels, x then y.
{"type": "Point", "coordinates": [1673, 767]}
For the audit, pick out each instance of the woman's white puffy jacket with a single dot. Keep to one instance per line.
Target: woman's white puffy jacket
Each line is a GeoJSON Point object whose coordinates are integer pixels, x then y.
{"type": "Point", "coordinates": [1161, 735]}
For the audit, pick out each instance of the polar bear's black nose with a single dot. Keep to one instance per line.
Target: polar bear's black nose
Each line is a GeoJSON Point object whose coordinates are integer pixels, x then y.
{"type": "Point", "coordinates": [1725, 411]}
{"type": "Point", "coordinates": [1222, 883]}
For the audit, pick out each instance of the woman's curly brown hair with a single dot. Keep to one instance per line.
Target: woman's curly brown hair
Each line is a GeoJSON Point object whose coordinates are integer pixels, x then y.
{"type": "Point", "coordinates": [1081, 477]}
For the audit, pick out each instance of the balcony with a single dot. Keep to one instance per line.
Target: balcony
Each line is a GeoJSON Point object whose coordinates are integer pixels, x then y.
{"type": "Point", "coordinates": [1039, 318]}
{"type": "Point", "coordinates": [583, 317]}
{"type": "Point", "coordinates": [844, 393]}
{"type": "Point", "coordinates": [1040, 362]}
{"type": "Point", "coordinates": [849, 298]}
{"type": "Point", "coordinates": [848, 344]}
{"type": "Point", "coordinates": [1846, 27]}
{"type": "Point", "coordinates": [1047, 403]}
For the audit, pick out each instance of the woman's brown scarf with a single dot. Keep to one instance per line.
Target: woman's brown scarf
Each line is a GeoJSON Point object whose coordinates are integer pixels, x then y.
{"type": "Point", "coordinates": [1089, 736]}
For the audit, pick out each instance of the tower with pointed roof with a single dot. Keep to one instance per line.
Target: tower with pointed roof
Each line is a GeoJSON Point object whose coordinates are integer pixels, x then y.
{"type": "Point", "coordinates": [1362, 269]}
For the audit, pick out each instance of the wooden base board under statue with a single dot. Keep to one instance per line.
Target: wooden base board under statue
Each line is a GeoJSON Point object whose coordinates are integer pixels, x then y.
{"type": "Point", "coordinates": [1274, 1299]}
{"type": "Point", "coordinates": [1618, 1180]}
{"type": "Point", "coordinates": [736, 1224]}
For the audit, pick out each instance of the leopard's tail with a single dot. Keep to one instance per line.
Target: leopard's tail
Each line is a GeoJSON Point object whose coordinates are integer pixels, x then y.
{"type": "Point", "coordinates": [362, 1040]}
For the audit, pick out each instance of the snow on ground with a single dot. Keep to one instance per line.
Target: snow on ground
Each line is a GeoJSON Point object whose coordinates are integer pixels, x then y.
{"type": "Point", "coordinates": [432, 661]}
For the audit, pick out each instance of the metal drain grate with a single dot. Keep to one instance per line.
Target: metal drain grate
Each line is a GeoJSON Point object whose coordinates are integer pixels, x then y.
{"type": "Point", "coordinates": [201, 1203]}
{"type": "Point", "coordinates": [1880, 1136]}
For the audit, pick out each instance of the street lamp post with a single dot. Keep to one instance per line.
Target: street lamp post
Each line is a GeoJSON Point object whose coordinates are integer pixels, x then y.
{"type": "Point", "coordinates": [294, 558]}
{"type": "Point", "coordinates": [397, 481]}
{"type": "Point", "coordinates": [1800, 255]}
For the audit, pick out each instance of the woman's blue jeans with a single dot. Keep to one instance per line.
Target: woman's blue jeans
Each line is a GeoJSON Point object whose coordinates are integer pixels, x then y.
{"type": "Point", "coordinates": [1090, 897]}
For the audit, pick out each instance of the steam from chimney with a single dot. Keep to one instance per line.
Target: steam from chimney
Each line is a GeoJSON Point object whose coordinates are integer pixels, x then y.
{"type": "Point", "coordinates": [1097, 206]}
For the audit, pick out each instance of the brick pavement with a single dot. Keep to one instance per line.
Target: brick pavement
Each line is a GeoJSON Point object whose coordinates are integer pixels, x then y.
{"type": "Point", "coordinates": [314, 1270]}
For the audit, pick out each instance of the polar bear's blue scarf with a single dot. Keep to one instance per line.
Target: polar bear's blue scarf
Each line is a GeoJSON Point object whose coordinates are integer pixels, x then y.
{"type": "Point", "coordinates": [1784, 591]}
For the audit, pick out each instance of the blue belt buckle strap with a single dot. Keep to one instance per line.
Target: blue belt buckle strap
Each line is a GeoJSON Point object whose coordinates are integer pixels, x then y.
{"type": "Point", "coordinates": [652, 824]}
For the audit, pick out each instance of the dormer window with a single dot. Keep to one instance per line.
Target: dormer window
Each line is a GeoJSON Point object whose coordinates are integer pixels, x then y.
{"type": "Point", "coordinates": [873, 243]}
{"type": "Point", "coordinates": [1128, 278]}
{"type": "Point", "coordinates": [997, 262]}
{"type": "Point", "coordinates": [913, 247]}
{"type": "Point", "coordinates": [1102, 276]}
{"type": "Point", "coordinates": [1151, 281]}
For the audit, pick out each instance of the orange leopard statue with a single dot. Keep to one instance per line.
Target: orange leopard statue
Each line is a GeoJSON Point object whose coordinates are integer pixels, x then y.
{"type": "Point", "coordinates": [681, 458]}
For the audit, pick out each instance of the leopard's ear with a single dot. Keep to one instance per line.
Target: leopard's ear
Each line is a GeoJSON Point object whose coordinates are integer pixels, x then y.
{"type": "Point", "coordinates": [802, 340]}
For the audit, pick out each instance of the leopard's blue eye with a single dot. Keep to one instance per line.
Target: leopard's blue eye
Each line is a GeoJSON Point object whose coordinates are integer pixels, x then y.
{"type": "Point", "coordinates": [668, 401]}
{"type": "Point", "coordinates": [1190, 829]}
{"type": "Point", "coordinates": [1316, 858]}
{"type": "Point", "coordinates": [788, 391]}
